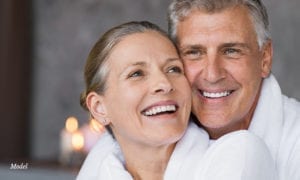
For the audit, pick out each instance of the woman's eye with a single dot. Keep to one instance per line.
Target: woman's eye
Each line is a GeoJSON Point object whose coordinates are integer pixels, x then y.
{"type": "Point", "coordinates": [175, 69]}
{"type": "Point", "coordinates": [134, 74]}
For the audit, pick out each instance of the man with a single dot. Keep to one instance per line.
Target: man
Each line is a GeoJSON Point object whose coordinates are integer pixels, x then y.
{"type": "Point", "coordinates": [235, 156]}
{"type": "Point", "coordinates": [227, 52]}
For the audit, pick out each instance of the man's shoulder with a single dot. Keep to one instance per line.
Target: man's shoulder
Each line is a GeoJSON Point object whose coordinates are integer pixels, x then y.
{"type": "Point", "coordinates": [290, 142]}
{"type": "Point", "coordinates": [291, 123]}
{"type": "Point", "coordinates": [291, 108]}
{"type": "Point", "coordinates": [291, 102]}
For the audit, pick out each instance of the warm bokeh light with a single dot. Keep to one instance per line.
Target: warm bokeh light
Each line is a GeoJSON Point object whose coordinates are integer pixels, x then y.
{"type": "Point", "coordinates": [95, 125]}
{"type": "Point", "coordinates": [77, 141]}
{"type": "Point", "coordinates": [71, 124]}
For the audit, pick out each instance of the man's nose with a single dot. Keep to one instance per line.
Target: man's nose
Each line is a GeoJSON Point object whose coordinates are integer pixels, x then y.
{"type": "Point", "coordinates": [213, 70]}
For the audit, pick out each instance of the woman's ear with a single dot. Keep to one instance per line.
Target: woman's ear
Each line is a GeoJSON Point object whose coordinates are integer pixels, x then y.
{"type": "Point", "coordinates": [267, 59]}
{"type": "Point", "coordinates": [97, 108]}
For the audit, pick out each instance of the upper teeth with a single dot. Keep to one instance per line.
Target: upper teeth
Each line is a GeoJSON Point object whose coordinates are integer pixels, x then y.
{"type": "Point", "coordinates": [216, 95]}
{"type": "Point", "coordinates": [159, 109]}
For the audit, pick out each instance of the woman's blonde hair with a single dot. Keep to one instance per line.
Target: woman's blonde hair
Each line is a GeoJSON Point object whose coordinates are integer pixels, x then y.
{"type": "Point", "coordinates": [96, 68]}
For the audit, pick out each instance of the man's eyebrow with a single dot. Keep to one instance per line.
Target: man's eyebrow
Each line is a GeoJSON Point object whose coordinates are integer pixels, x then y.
{"type": "Point", "coordinates": [230, 44]}
{"type": "Point", "coordinates": [235, 44]}
{"type": "Point", "coordinates": [191, 46]}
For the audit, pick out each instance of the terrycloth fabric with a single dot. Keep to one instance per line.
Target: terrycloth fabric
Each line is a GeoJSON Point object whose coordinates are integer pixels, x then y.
{"type": "Point", "coordinates": [105, 161]}
{"type": "Point", "coordinates": [277, 121]}
{"type": "Point", "coordinates": [239, 155]}
{"type": "Point", "coordinates": [236, 156]}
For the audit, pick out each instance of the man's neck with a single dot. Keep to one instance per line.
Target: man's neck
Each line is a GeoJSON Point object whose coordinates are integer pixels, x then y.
{"type": "Point", "coordinates": [217, 133]}
{"type": "Point", "coordinates": [243, 124]}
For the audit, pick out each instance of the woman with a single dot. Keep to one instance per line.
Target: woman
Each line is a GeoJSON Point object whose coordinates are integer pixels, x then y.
{"type": "Point", "coordinates": [135, 85]}
{"type": "Point", "coordinates": [143, 97]}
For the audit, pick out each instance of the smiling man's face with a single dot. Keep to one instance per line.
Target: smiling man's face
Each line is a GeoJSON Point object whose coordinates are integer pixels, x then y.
{"type": "Point", "coordinates": [224, 66]}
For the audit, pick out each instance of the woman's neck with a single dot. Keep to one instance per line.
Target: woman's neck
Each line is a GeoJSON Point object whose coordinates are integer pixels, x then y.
{"type": "Point", "coordinates": [147, 162]}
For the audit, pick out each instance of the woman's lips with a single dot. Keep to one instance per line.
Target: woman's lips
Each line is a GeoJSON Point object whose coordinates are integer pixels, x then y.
{"type": "Point", "coordinates": [160, 108]}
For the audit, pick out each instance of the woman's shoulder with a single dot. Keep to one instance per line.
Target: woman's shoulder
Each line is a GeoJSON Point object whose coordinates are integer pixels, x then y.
{"type": "Point", "coordinates": [105, 152]}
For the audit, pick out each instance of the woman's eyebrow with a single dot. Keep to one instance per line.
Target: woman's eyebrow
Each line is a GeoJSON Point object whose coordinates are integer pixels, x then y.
{"type": "Point", "coordinates": [131, 65]}
{"type": "Point", "coordinates": [138, 63]}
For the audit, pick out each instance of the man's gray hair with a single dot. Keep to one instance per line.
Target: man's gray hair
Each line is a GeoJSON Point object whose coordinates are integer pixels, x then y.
{"type": "Point", "coordinates": [179, 9]}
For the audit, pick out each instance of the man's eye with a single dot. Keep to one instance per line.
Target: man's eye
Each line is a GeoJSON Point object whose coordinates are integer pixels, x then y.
{"type": "Point", "coordinates": [175, 69]}
{"type": "Point", "coordinates": [231, 51]}
{"type": "Point", "coordinates": [192, 54]}
{"type": "Point", "coordinates": [137, 73]}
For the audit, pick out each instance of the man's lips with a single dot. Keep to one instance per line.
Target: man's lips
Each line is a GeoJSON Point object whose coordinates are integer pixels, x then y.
{"type": "Point", "coordinates": [216, 94]}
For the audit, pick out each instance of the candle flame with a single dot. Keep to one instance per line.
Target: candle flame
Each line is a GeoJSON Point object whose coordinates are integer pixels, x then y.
{"type": "Point", "coordinates": [71, 124]}
{"type": "Point", "coordinates": [77, 141]}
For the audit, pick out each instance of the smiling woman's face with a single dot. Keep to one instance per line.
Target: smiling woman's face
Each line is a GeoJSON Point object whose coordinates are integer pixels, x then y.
{"type": "Point", "coordinates": [148, 98]}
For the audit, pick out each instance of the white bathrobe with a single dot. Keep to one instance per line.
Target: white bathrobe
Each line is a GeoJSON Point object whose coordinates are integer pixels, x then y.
{"type": "Point", "coordinates": [277, 121]}
{"type": "Point", "coordinates": [236, 156]}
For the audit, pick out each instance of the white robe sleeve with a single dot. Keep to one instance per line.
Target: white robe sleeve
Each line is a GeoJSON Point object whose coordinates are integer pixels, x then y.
{"type": "Point", "coordinates": [104, 162]}
{"type": "Point", "coordinates": [238, 155]}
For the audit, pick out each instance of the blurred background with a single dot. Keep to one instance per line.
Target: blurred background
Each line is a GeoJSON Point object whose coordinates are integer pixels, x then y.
{"type": "Point", "coordinates": [43, 47]}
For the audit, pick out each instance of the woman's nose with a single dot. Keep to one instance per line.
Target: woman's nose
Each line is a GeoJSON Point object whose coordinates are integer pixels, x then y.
{"type": "Point", "coordinates": [162, 84]}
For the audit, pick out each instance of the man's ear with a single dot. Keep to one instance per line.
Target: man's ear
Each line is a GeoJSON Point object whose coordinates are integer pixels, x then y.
{"type": "Point", "coordinates": [97, 108]}
{"type": "Point", "coordinates": [267, 58]}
